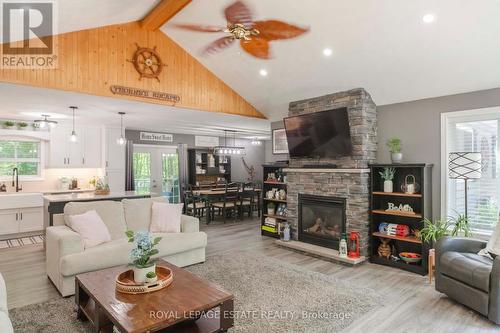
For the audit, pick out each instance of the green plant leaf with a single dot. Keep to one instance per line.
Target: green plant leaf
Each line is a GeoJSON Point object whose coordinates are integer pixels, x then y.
{"type": "Point", "coordinates": [156, 241]}
{"type": "Point", "coordinates": [153, 252]}
{"type": "Point", "coordinates": [129, 233]}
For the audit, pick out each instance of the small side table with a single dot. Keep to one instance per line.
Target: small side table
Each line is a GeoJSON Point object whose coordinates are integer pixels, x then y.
{"type": "Point", "coordinates": [431, 263]}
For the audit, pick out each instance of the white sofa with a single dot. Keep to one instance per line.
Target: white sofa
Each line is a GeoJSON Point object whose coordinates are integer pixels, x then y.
{"type": "Point", "coordinates": [66, 256]}
{"type": "Point", "coordinates": [5, 324]}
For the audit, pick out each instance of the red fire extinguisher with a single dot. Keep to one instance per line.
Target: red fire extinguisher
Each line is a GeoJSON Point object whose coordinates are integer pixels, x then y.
{"type": "Point", "coordinates": [353, 248]}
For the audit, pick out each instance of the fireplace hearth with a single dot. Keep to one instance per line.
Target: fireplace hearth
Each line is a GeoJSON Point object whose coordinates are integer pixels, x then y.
{"type": "Point", "coordinates": [321, 219]}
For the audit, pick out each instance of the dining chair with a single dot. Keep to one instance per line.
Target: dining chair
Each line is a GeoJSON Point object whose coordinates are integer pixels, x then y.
{"type": "Point", "coordinates": [247, 200]}
{"type": "Point", "coordinates": [229, 203]}
{"type": "Point", "coordinates": [193, 204]}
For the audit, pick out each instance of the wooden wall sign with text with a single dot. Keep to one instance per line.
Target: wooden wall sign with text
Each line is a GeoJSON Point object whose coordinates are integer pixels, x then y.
{"type": "Point", "coordinates": [137, 92]}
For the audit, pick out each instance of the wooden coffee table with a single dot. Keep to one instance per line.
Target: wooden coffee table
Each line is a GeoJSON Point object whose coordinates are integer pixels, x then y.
{"type": "Point", "coordinates": [189, 304]}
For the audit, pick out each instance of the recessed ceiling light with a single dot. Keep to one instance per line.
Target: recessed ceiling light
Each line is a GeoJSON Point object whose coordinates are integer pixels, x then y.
{"type": "Point", "coordinates": [263, 72]}
{"type": "Point", "coordinates": [429, 18]}
{"type": "Point", "coordinates": [327, 52]}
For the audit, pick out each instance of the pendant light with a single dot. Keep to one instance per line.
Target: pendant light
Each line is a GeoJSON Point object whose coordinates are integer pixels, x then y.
{"type": "Point", "coordinates": [256, 142]}
{"type": "Point", "coordinates": [121, 141]}
{"type": "Point", "coordinates": [43, 123]}
{"type": "Point", "coordinates": [73, 137]}
{"type": "Point", "coordinates": [228, 149]}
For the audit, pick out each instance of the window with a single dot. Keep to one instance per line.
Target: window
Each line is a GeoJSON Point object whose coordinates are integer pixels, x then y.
{"type": "Point", "coordinates": [473, 131]}
{"type": "Point", "coordinates": [21, 154]}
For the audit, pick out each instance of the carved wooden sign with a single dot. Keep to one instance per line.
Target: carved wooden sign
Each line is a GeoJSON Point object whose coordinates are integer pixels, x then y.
{"type": "Point", "coordinates": [142, 93]}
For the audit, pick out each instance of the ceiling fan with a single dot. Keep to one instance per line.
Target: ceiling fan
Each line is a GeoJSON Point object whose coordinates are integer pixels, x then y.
{"type": "Point", "coordinates": [254, 36]}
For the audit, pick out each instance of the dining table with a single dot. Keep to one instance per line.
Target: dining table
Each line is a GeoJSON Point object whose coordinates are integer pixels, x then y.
{"type": "Point", "coordinates": [215, 194]}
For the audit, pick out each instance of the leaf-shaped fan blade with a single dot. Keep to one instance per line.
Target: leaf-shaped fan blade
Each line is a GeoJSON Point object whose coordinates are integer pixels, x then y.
{"type": "Point", "coordinates": [258, 47]}
{"type": "Point", "coordinates": [238, 12]}
{"type": "Point", "coordinates": [274, 30]}
{"type": "Point", "coordinates": [199, 28]}
{"type": "Point", "coordinates": [219, 45]}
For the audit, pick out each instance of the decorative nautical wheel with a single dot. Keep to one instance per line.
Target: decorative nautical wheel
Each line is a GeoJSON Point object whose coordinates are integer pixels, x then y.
{"type": "Point", "coordinates": [147, 62]}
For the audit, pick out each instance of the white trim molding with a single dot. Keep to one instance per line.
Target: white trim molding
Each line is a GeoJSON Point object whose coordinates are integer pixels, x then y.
{"type": "Point", "coordinates": [457, 116]}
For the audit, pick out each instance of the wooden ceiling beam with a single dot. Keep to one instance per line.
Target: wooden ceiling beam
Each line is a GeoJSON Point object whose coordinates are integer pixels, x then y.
{"type": "Point", "coordinates": [160, 15]}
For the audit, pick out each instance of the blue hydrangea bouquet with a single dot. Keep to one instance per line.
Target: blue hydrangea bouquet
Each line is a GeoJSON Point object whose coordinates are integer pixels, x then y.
{"type": "Point", "coordinates": [141, 253]}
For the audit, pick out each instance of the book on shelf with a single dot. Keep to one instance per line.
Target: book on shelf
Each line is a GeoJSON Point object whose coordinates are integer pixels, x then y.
{"type": "Point", "coordinates": [269, 229]}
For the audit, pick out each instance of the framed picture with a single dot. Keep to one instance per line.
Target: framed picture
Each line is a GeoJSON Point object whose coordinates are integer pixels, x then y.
{"type": "Point", "coordinates": [280, 145]}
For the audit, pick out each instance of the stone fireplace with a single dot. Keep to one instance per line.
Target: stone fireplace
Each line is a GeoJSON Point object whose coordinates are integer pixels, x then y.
{"type": "Point", "coordinates": [321, 219]}
{"type": "Point", "coordinates": [342, 193]}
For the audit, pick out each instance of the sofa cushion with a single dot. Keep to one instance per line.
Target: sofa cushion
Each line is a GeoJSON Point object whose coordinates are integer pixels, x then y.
{"type": "Point", "coordinates": [111, 213]}
{"type": "Point", "coordinates": [138, 212]}
{"type": "Point", "coordinates": [91, 228]}
{"type": "Point", "coordinates": [116, 252]}
{"type": "Point", "coordinates": [469, 268]}
{"type": "Point", "coordinates": [166, 217]}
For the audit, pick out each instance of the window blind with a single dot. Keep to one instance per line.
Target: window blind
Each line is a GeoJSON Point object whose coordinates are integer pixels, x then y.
{"type": "Point", "coordinates": [482, 204]}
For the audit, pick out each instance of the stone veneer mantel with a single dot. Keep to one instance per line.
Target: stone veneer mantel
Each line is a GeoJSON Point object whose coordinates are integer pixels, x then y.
{"type": "Point", "coordinates": [351, 178]}
{"type": "Point", "coordinates": [313, 170]}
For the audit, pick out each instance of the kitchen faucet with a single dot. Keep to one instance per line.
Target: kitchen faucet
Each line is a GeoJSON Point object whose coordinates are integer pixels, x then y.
{"type": "Point", "coordinates": [15, 179]}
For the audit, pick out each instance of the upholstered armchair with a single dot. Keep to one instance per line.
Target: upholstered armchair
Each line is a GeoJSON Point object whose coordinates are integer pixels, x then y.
{"type": "Point", "coordinates": [467, 277]}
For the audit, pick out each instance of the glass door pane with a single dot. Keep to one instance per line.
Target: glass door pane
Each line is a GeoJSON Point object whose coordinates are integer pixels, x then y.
{"type": "Point", "coordinates": [170, 176]}
{"type": "Point", "coordinates": [142, 171]}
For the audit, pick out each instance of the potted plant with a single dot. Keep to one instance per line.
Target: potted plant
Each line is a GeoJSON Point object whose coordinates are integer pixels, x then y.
{"type": "Point", "coordinates": [388, 175]}
{"type": "Point", "coordinates": [454, 226]}
{"type": "Point", "coordinates": [21, 125]}
{"type": "Point", "coordinates": [270, 208]}
{"type": "Point", "coordinates": [144, 249]}
{"type": "Point", "coordinates": [8, 124]}
{"type": "Point", "coordinates": [151, 277]}
{"type": "Point", "coordinates": [394, 145]}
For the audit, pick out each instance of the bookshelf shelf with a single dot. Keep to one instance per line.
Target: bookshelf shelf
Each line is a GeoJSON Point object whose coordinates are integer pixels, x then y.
{"type": "Point", "coordinates": [420, 202]}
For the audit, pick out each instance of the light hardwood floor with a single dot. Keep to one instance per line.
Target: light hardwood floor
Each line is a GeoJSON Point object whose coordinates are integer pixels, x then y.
{"type": "Point", "coordinates": [410, 303]}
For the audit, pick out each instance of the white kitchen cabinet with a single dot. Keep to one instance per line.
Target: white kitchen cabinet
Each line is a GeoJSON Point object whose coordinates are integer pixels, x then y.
{"type": "Point", "coordinates": [13, 221]}
{"type": "Point", "coordinates": [9, 221]}
{"type": "Point", "coordinates": [114, 155]}
{"type": "Point", "coordinates": [84, 153]}
{"type": "Point", "coordinates": [92, 147]}
{"type": "Point", "coordinates": [30, 219]}
{"type": "Point", "coordinates": [59, 148]}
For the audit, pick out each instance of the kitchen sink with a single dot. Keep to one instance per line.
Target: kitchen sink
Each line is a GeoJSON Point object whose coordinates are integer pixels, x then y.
{"type": "Point", "coordinates": [20, 200]}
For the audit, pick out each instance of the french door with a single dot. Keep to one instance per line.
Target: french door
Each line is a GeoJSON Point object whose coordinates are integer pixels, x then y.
{"type": "Point", "coordinates": [156, 170]}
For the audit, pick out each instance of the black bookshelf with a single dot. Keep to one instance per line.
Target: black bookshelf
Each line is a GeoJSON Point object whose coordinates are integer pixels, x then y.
{"type": "Point", "coordinates": [198, 159]}
{"type": "Point", "coordinates": [421, 202]}
{"type": "Point", "coordinates": [268, 185]}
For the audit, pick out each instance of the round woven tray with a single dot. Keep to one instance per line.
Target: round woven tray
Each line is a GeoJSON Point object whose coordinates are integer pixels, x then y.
{"type": "Point", "coordinates": [125, 282]}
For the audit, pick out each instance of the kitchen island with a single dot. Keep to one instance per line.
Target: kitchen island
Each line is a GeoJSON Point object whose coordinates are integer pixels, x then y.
{"type": "Point", "coordinates": [54, 203]}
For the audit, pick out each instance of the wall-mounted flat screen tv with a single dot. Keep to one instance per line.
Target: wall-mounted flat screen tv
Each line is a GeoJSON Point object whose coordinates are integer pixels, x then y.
{"type": "Point", "coordinates": [320, 134]}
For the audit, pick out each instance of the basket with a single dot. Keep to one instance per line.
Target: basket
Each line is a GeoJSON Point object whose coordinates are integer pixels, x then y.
{"type": "Point", "coordinates": [101, 192]}
{"type": "Point", "coordinates": [125, 282]}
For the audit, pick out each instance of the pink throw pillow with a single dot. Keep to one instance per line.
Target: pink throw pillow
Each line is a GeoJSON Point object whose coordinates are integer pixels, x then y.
{"type": "Point", "coordinates": [166, 217]}
{"type": "Point", "coordinates": [91, 228]}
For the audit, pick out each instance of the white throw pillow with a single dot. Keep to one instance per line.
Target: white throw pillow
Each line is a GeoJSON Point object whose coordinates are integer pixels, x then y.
{"type": "Point", "coordinates": [492, 248]}
{"type": "Point", "coordinates": [91, 228]}
{"type": "Point", "coordinates": [166, 217]}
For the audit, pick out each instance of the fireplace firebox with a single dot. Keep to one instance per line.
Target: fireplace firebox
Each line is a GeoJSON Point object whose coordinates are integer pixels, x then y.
{"type": "Point", "coordinates": [321, 219]}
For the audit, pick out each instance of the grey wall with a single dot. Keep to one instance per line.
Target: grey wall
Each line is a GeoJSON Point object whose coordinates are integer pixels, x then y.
{"type": "Point", "coordinates": [270, 157]}
{"type": "Point", "coordinates": [255, 155]}
{"type": "Point", "coordinates": [418, 124]}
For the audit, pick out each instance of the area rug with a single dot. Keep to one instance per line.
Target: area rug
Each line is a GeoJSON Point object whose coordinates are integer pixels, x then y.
{"type": "Point", "coordinates": [23, 241]}
{"type": "Point", "coordinates": [270, 296]}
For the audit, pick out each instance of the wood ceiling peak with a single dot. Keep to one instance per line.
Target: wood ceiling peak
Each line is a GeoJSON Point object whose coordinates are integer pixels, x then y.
{"type": "Point", "coordinates": [163, 12]}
